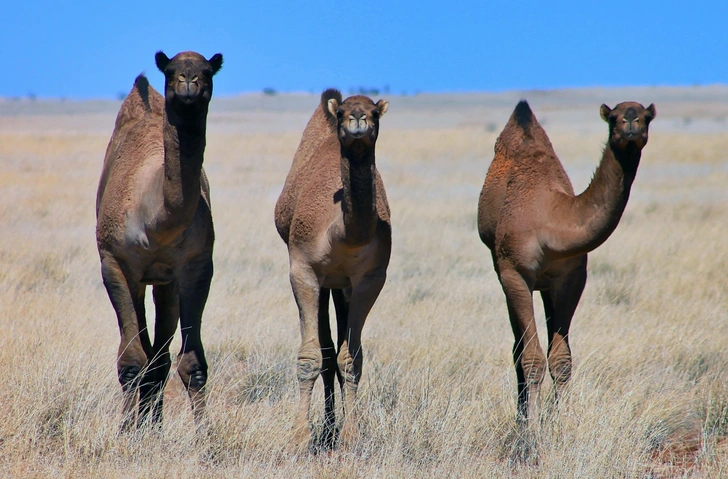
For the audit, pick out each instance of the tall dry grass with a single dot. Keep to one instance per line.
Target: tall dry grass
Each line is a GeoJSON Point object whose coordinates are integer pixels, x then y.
{"type": "Point", "coordinates": [649, 396]}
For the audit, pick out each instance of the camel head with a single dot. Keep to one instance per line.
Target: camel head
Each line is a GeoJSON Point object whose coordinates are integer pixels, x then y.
{"type": "Point", "coordinates": [188, 77]}
{"type": "Point", "coordinates": [356, 119]}
{"type": "Point", "coordinates": [628, 124]}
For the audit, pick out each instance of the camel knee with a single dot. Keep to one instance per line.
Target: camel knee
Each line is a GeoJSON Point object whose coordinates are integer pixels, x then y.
{"type": "Point", "coordinates": [560, 361]}
{"type": "Point", "coordinates": [129, 376]}
{"type": "Point", "coordinates": [309, 366]}
{"type": "Point", "coordinates": [560, 368]}
{"type": "Point", "coordinates": [194, 380]}
{"type": "Point", "coordinates": [131, 363]}
{"type": "Point", "coordinates": [193, 373]}
{"type": "Point", "coordinates": [349, 367]}
{"type": "Point", "coordinates": [534, 370]}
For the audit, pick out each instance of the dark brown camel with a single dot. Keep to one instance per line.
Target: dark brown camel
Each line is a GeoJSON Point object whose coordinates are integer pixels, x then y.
{"type": "Point", "coordinates": [334, 217]}
{"type": "Point", "coordinates": [154, 227]}
{"type": "Point", "coordinates": [539, 232]}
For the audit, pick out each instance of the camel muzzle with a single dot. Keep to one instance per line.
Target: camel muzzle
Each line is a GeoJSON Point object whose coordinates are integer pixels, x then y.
{"type": "Point", "coordinates": [187, 91]}
{"type": "Point", "coordinates": [357, 127]}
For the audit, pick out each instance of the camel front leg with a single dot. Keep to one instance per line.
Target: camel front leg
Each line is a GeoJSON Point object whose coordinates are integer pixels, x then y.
{"type": "Point", "coordinates": [306, 291]}
{"type": "Point", "coordinates": [363, 295]}
{"type": "Point", "coordinates": [127, 298]}
{"type": "Point", "coordinates": [194, 287]}
{"type": "Point", "coordinates": [528, 356]}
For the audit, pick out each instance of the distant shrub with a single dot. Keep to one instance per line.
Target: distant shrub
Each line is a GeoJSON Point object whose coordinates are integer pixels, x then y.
{"type": "Point", "coordinates": [362, 90]}
{"type": "Point", "coordinates": [269, 91]}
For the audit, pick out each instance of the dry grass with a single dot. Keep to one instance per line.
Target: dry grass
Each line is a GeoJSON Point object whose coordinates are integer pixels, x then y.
{"type": "Point", "coordinates": [649, 397]}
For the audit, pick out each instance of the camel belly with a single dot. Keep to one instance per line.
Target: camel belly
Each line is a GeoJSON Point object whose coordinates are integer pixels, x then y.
{"type": "Point", "coordinates": [158, 273]}
{"type": "Point", "coordinates": [555, 270]}
{"type": "Point", "coordinates": [345, 263]}
{"type": "Point", "coordinates": [336, 281]}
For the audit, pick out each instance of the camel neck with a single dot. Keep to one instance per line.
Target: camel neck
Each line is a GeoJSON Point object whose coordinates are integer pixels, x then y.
{"type": "Point", "coordinates": [597, 211]}
{"type": "Point", "coordinates": [359, 199]}
{"type": "Point", "coordinates": [184, 148]}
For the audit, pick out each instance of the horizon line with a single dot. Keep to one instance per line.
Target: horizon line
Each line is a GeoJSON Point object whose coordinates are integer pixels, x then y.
{"type": "Point", "coordinates": [272, 92]}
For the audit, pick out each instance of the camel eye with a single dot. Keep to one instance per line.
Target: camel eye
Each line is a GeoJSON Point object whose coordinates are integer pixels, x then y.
{"type": "Point", "coordinates": [339, 113]}
{"type": "Point", "coordinates": [375, 114]}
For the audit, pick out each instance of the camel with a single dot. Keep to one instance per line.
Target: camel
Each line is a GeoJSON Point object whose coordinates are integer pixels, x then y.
{"type": "Point", "coordinates": [539, 232]}
{"type": "Point", "coordinates": [154, 227]}
{"type": "Point", "coordinates": [334, 217]}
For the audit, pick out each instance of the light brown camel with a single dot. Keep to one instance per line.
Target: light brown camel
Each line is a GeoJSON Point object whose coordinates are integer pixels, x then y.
{"type": "Point", "coordinates": [539, 232]}
{"type": "Point", "coordinates": [154, 227]}
{"type": "Point", "coordinates": [334, 216]}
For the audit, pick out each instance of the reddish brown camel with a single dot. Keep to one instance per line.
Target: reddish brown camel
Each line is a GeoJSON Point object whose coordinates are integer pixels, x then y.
{"type": "Point", "coordinates": [539, 232]}
{"type": "Point", "coordinates": [334, 217]}
{"type": "Point", "coordinates": [154, 227]}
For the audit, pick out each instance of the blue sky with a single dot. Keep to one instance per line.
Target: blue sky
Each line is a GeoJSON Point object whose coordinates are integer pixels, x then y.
{"type": "Point", "coordinates": [94, 49]}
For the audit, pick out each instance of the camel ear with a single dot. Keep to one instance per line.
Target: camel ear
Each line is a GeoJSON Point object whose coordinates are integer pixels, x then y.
{"type": "Point", "coordinates": [332, 106]}
{"type": "Point", "coordinates": [382, 106]}
{"type": "Point", "coordinates": [652, 110]}
{"type": "Point", "coordinates": [604, 111]}
{"type": "Point", "coordinates": [161, 60]}
{"type": "Point", "coordinates": [215, 62]}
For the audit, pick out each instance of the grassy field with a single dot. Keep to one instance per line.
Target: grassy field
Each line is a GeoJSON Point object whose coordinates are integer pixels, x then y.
{"type": "Point", "coordinates": [649, 395]}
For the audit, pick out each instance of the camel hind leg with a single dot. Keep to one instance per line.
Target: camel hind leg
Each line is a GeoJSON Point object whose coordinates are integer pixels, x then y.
{"type": "Point", "coordinates": [194, 287]}
{"type": "Point", "coordinates": [328, 369]}
{"type": "Point", "coordinates": [341, 305]}
{"type": "Point", "coordinates": [151, 389]}
{"type": "Point", "coordinates": [560, 302]}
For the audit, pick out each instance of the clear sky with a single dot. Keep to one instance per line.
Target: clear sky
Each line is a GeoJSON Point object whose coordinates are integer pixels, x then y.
{"type": "Point", "coordinates": [94, 49]}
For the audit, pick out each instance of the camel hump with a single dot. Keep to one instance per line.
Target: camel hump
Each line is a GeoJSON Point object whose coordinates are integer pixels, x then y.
{"type": "Point", "coordinates": [523, 115]}
{"type": "Point", "coordinates": [141, 101]}
{"type": "Point", "coordinates": [141, 85]}
{"type": "Point", "coordinates": [523, 134]}
{"type": "Point", "coordinates": [330, 94]}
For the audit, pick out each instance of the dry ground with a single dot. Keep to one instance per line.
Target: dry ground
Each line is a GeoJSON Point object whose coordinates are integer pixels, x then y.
{"type": "Point", "coordinates": [649, 397]}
